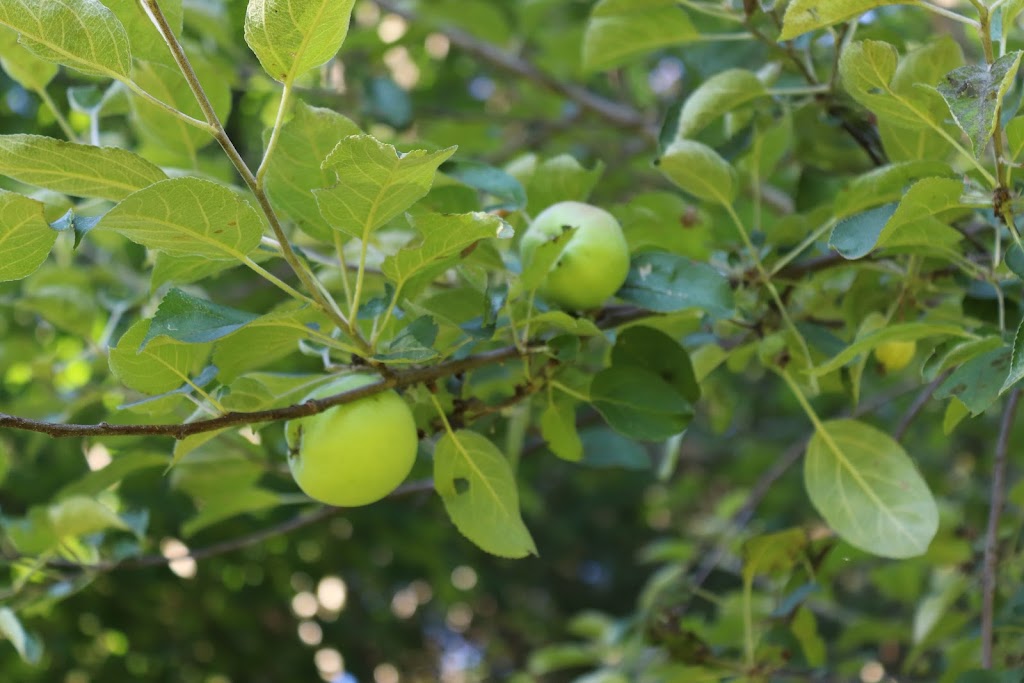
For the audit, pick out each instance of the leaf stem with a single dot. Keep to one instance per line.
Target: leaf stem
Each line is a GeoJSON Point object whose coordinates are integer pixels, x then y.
{"type": "Point", "coordinates": [275, 135]}
{"type": "Point", "coordinates": [949, 14]}
{"type": "Point", "coordinates": [58, 115]}
{"type": "Point", "coordinates": [339, 247]}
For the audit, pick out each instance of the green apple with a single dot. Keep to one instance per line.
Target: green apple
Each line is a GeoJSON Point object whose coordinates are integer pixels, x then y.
{"type": "Point", "coordinates": [595, 260]}
{"type": "Point", "coordinates": [356, 453]}
{"type": "Point", "coordinates": [895, 355]}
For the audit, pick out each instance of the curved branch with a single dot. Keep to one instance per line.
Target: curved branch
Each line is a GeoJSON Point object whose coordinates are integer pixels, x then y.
{"type": "Point", "coordinates": [616, 113]}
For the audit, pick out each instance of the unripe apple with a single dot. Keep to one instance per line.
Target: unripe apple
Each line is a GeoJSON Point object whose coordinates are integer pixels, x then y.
{"type": "Point", "coordinates": [593, 264]}
{"type": "Point", "coordinates": [895, 355]}
{"type": "Point", "coordinates": [355, 453]}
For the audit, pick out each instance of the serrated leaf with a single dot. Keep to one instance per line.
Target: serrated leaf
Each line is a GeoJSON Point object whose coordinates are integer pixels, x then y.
{"type": "Point", "coordinates": [28, 70]}
{"type": "Point", "coordinates": [188, 217]}
{"type": "Point", "coordinates": [619, 30]}
{"type": "Point", "coordinates": [442, 238]}
{"type": "Point", "coordinates": [868, 70]}
{"type": "Point", "coordinates": [719, 94]}
{"type": "Point", "coordinates": [374, 183]}
{"type": "Point", "coordinates": [807, 15]}
{"type": "Point", "coordinates": [193, 320]}
{"type": "Point", "coordinates": [667, 283]}
{"type": "Point", "coordinates": [558, 427]}
{"type": "Point", "coordinates": [561, 178]}
{"type": "Point", "coordinates": [639, 404]}
{"type": "Point", "coordinates": [868, 490]}
{"type": "Point", "coordinates": [12, 630]}
{"type": "Point", "coordinates": [898, 332]}
{"type": "Point", "coordinates": [82, 34]}
{"type": "Point", "coordinates": [290, 37]}
{"type": "Point", "coordinates": [304, 143]}
{"type": "Point", "coordinates": [974, 94]}
{"type": "Point", "coordinates": [81, 515]}
{"type": "Point", "coordinates": [414, 344]}
{"type": "Point", "coordinates": [25, 237]}
{"type": "Point", "coordinates": [884, 185]}
{"type": "Point", "coordinates": [979, 381]}
{"type": "Point", "coordinates": [479, 492]}
{"type": "Point", "coordinates": [265, 340]}
{"type": "Point", "coordinates": [699, 170]}
{"type": "Point", "coordinates": [79, 170]}
{"type": "Point", "coordinates": [164, 365]}
{"type": "Point", "coordinates": [1016, 372]}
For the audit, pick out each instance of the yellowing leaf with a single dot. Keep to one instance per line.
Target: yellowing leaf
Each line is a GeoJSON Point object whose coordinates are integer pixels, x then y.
{"type": "Point", "coordinates": [807, 15]}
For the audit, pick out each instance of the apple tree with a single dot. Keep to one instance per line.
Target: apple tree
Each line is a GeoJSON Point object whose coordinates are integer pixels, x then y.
{"type": "Point", "coordinates": [627, 340]}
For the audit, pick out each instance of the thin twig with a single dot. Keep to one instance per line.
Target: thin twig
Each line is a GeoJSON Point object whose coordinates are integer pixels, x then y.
{"type": "Point", "coordinates": [991, 560]}
{"type": "Point", "coordinates": [616, 113]}
{"type": "Point", "coordinates": [918, 405]}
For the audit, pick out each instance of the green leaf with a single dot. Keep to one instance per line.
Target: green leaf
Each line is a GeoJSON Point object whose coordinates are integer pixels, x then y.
{"type": "Point", "coordinates": [290, 37]}
{"type": "Point", "coordinates": [188, 217]}
{"type": "Point", "coordinates": [81, 515]}
{"type": "Point", "coordinates": [868, 490]}
{"type": "Point", "coordinates": [82, 34]}
{"type": "Point", "coordinates": [884, 185]}
{"type": "Point", "coordinates": [914, 222]}
{"type": "Point", "coordinates": [605, 448]}
{"type": "Point", "coordinates": [559, 179]}
{"type": "Point", "coordinates": [442, 239]}
{"type": "Point", "coordinates": [539, 261]}
{"type": "Point", "coordinates": [374, 183]}
{"type": "Point", "coordinates": [479, 492]}
{"type": "Point", "coordinates": [490, 180]}
{"type": "Point", "coordinates": [653, 350]}
{"type": "Point", "coordinates": [979, 381]}
{"type": "Point", "coordinates": [1015, 137]}
{"type": "Point", "coordinates": [957, 352]}
{"type": "Point", "coordinates": [79, 170]}
{"type": "Point", "coordinates": [804, 628]}
{"type": "Point", "coordinates": [193, 320]}
{"type": "Point", "coordinates": [719, 94]}
{"type": "Point", "coordinates": [145, 40]}
{"type": "Point", "coordinates": [868, 70]}
{"type": "Point", "coordinates": [974, 94]}
{"type": "Point", "coordinates": [558, 427]}
{"type": "Point", "coordinates": [164, 365]}
{"type": "Point", "coordinates": [177, 142]}
{"type": "Point", "coordinates": [29, 71]}
{"type": "Point", "coordinates": [985, 676]}
{"type": "Point", "coordinates": [95, 483]}
{"type": "Point", "coordinates": [12, 630]}
{"type": "Point", "coordinates": [619, 30]}
{"type": "Point", "coordinates": [667, 283]}
{"type": "Point", "coordinates": [898, 332]}
{"type": "Point", "coordinates": [699, 170]}
{"type": "Point", "coordinates": [25, 236]}
{"type": "Point", "coordinates": [265, 340]}
{"type": "Point", "coordinates": [182, 270]}
{"type": "Point", "coordinates": [231, 503]}
{"type": "Point", "coordinates": [775, 553]}
{"type": "Point", "coordinates": [639, 404]}
{"type": "Point", "coordinates": [807, 15]}
{"type": "Point", "coordinates": [1016, 372]}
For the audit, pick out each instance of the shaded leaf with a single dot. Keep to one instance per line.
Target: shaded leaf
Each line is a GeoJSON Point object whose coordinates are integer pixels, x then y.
{"type": "Point", "coordinates": [639, 404]}
{"type": "Point", "coordinates": [974, 94]}
{"type": "Point", "coordinates": [164, 365]}
{"type": "Point", "coordinates": [719, 94]}
{"type": "Point", "coordinates": [666, 283]}
{"type": "Point", "coordinates": [190, 319]}
{"type": "Point", "coordinates": [619, 30]}
{"type": "Point", "coordinates": [25, 236]}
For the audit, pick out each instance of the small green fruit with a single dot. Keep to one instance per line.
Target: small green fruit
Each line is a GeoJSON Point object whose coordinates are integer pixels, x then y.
{"type": "Point", "coordinates": [595, 261]}
{"type": "Point", "coordinates": [356, 453]}
{"type": "Point", "coordinates": [895, 355]}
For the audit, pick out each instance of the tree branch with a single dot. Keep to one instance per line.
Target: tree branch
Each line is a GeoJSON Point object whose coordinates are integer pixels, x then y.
{"type": "Point", "coordinates": [991, 559]}
{"type": "Point", "coordinates": [397, 380]}
{"type": "Point", "coordinates": [616, 113]}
